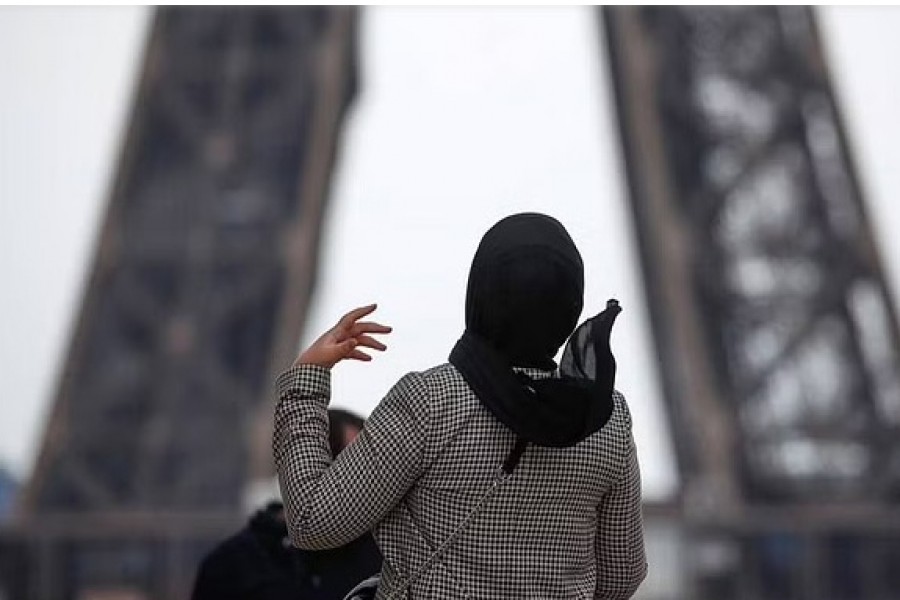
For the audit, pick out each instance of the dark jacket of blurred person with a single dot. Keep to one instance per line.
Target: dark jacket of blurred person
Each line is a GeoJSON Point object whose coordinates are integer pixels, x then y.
{"type": "Point", "coordinates": [260, 563]}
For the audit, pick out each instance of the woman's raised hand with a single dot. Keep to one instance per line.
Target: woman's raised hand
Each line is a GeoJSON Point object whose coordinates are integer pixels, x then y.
{"type": "Point", "coordinates": [345, 340]}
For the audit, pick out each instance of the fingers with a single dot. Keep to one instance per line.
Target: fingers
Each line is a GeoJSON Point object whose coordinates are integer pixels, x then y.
{"type": "Point", "coordinates": [355, 315]}
{"type": "Point", "coordinates": [357, 354]}
{"type": "Point", "coordinates": [352, 333]}
{"type": "Point", "coordinates": [345, 339]}
{"type": "Point", "coordinates": [369, 327]}
{"type": "Point", "coordinates": [370, 342]}
{"type": "Point", "coordinates": [359, 330]}
{"type": "Point", "coordinates": [351, 348]}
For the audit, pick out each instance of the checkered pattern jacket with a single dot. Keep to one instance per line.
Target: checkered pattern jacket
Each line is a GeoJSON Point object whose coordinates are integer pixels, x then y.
{"type": "Point", "coordinates": [566, 524]}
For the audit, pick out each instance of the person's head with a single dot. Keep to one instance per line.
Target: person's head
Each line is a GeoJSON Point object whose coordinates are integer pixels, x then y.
{"type": "Point", "coordinates": [273, 510]}
{"type": "Point", "coordinates": [343, 427]}
{"type": "Point", "coordinates": [526, 288]}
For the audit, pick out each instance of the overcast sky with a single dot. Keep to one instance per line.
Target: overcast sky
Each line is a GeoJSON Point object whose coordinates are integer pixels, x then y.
{"type": "Point", "coordinates": [465, 115]}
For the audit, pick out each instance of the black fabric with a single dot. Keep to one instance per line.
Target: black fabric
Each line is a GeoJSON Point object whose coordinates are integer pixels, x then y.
{"type": "Point", "coordinates": [588, 354]}
{"type": "Point", "coordinates": [525, 290]}
{"type": "Point", "coordinates": [515, 455]}
{"type": "Point", "coordinates": [524, 297]}
{"type": "Point", "coordinates": [259, 563]}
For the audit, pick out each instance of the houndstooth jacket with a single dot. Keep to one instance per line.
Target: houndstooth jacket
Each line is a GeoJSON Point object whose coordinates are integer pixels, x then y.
{"type": "Point", "coordinates": [566, 524]}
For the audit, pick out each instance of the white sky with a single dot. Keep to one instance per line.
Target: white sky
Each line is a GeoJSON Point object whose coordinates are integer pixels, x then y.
{"type": "Point", "coordinates": [465, 115]}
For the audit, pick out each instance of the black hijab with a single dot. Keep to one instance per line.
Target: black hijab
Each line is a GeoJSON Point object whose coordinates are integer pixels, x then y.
{"type": "Point", "coordinates": [524, 297]}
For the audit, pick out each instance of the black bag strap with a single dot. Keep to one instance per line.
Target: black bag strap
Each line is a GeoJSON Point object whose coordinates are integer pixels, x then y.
{"type": "Point", "coordinates": [503, 473]}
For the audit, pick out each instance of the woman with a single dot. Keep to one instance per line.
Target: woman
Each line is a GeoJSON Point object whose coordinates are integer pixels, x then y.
{"type": "Point", "coordinates": [495, 475]}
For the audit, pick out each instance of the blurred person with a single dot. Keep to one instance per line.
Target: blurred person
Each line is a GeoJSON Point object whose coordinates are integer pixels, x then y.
{"type": "Point", "coordinates": [260, 563]}
{"type": "Point", "coordinates": [496, 475]}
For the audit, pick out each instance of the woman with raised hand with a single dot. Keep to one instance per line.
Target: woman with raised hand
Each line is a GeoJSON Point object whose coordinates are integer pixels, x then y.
{"type": "Point", "coordinates": [495, 475]}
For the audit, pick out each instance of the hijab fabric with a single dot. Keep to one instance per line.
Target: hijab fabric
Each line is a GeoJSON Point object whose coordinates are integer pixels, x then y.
{"type": "Point", "coordinates": [524, 296]}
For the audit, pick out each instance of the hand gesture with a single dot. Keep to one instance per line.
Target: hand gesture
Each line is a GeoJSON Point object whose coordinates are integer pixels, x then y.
{"type": "Point", "coordinates": [345, 339]}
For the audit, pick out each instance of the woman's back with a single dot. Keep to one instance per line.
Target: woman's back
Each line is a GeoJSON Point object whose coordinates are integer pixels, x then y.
{"type": "Point", "coordinates": [536, 536]}
{"type": "Point", "coordinates": [565, 520]}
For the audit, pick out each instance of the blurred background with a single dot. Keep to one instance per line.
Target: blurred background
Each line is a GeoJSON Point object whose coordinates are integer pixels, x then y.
{"type": "Point", "coordinates": [189, 195]}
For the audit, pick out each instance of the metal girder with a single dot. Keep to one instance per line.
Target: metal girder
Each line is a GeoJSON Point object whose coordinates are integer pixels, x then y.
{"type": "Point", "coordinates": [776, 334]}
{"type": "Point", "coordinates": [772, 316]}
{"type": "Point", "coordinates": [200, 286]}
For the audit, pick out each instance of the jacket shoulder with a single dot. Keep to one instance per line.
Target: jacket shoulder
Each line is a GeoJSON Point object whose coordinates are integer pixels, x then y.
{"type": "Point", "coordinates": [451, 401]}
{"type": "Point", "coordinates": [443, 374]}
{"type": "Point", "coordinates": [620, 408]}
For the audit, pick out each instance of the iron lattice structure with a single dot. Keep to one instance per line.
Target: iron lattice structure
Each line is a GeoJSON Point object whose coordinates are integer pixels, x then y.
{"type": "Point", "coordinates": [776, 334]}
{"type": "Point", "coordinates": [199, 289]}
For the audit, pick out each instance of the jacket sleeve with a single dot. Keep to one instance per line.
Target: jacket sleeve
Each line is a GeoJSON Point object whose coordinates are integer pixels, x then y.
{"type": "Point", "coordinates": [329, 503]}
{"type": "Point", "coordinates": [621, 562]}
